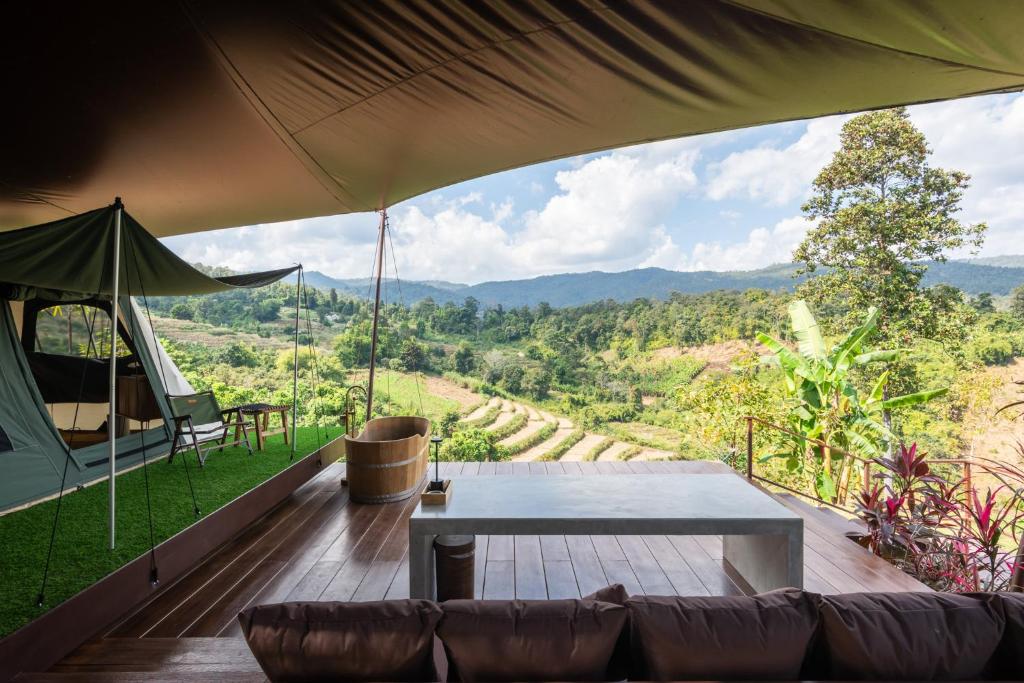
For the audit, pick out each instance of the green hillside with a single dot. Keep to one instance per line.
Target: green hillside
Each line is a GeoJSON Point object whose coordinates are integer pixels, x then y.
{"type": "Point", "coordinates": [996, 275]}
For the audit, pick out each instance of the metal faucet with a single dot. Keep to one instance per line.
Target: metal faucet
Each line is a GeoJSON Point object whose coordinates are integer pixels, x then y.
{"type": "Point", "coordinates": [349, 415]}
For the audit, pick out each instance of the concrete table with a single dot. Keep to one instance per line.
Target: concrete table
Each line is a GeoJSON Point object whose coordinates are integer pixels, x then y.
{"type": "Point", "coordinates": [762, 539]}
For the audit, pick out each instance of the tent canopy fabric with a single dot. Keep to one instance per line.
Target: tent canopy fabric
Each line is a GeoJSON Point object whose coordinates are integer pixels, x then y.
{"type": "Point", "coordinates": [208, 114]}
{"type": "Point", "coordinates": [32, 464]}
{"type": "Point", "coordinates": [72, 257]}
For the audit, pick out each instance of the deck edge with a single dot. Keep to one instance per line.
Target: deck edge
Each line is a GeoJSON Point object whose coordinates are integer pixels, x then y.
{"type": "Point", "coordinates": [38, 645]}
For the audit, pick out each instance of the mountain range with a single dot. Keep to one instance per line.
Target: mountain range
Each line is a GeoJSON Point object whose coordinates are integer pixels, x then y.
{"type": "Point", "coordinates": [997, 275]}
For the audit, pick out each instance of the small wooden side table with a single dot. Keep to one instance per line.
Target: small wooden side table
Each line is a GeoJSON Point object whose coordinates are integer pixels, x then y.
{"type": "Point", "coordinates": [261, 413]}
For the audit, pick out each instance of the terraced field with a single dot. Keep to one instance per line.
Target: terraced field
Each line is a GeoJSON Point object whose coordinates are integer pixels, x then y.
{"type": "Point", "coordinates": [546, 437]}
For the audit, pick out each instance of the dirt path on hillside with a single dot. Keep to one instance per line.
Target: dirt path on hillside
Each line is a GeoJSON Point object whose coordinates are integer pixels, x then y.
{"type": "Point", "coordinates": [439, 386]}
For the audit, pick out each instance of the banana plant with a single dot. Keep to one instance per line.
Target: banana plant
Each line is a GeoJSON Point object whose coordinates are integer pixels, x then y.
{"type": "Point", "coordinates": [827, 406]}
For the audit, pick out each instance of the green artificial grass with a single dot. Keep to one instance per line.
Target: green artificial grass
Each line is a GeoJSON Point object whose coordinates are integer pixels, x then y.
{"type": "Point", "coordinates": [80, 553]}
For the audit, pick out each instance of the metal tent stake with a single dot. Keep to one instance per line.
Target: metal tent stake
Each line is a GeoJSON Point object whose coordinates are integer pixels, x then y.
{"type": "Point", "coordinates": [112, 417]}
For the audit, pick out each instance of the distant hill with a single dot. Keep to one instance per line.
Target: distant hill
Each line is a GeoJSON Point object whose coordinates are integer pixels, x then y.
{"type": "Point", "coordinates": [997, 275]}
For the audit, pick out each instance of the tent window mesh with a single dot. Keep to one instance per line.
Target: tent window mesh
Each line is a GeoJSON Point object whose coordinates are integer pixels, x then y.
{"type": "Point", "coordinates": [81, 331]}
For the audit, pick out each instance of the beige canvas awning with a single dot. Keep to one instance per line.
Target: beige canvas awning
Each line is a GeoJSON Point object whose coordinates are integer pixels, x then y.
{"type": "Point", "coordinates": [204, 114]}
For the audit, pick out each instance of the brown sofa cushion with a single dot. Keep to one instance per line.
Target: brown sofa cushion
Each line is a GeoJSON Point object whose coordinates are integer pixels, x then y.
{"type": "Point", "coordinates": [337, 641]}
{"type": "Point", "coordinates": [910, 636]}
{"type": "Point", "coordinates": [615, 593]}
{"type": "Point", "coordinates": [530, 640]}
{"type": "Point", "coordinates": [1010, 656]}
{"type": "Point", "coordinates": [762, 637]}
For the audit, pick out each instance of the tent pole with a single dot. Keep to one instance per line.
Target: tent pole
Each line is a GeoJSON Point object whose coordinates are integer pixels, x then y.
{"type": "Point", "coordinates": [112, 417]}
{"type": "Point", "coordinates": [376, 314]}
{"type": "Point", "coordinates": [295, 365]}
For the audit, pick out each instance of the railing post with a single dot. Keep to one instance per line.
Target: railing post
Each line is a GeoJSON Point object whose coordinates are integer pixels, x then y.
{"type": "Point", "coordinates": [1017, 578]}
{"type": "Point", "coordinates": [750, 447]}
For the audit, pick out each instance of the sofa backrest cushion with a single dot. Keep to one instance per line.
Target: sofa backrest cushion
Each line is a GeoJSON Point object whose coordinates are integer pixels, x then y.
{"type": "Point", "coordinates": [910, 636]}
{"type": "Point", "coordinates": [1010, 656]}
{"type": "Point", "coordinates": [763, 637]}
{"type": "Point", "coordinates": [344, 641]}
{"type": "Point", "coordinates": [530, 640]}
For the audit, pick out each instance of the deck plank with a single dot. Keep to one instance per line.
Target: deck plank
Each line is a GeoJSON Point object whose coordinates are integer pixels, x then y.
{"type": "Point", "coordinates": [529, 569]}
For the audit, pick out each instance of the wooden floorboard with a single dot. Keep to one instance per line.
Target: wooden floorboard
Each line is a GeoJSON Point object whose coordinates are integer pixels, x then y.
{"type": "Point", "coordinates": [319, 545]}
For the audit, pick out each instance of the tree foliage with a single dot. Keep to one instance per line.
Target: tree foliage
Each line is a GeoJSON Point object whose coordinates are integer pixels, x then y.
{"type": "Point", "coordinates": [826, 404]}
{"type": "Point", "coordinates": [880, 211]}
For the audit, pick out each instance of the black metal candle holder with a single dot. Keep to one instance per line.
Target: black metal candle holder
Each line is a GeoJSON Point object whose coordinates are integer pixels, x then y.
{"type": "Point", "coordinates": [436, 484]}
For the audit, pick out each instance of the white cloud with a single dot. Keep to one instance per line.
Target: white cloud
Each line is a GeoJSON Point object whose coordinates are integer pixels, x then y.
{"type": "Point", "coordinates": [776, 175]}
{"type": "Point", "coordinates": [608, 210]}
{"type": "Point", "coordinates": [762, 247]}
{"type": "Point", "coordinates": [983, 136]}
{"type": "Point", "coordinates": [624, 209]}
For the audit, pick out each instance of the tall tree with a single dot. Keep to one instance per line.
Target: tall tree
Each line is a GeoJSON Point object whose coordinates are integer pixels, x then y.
{"type": "Point", "coordinates": [1017, 301]}
{"type": "Point", "coordinates": [881, 213]}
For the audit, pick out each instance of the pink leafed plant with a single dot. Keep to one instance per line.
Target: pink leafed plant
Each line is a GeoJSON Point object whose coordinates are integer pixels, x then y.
{"type": "Point", "coordinates": [948, 534]}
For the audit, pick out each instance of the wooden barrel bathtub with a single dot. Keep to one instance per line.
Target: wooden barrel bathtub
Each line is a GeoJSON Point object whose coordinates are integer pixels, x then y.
{"type": "Point", "coordinates": [388, 460]}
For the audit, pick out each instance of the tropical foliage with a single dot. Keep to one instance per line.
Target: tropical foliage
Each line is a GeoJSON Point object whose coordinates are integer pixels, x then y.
{"type": "Point", "coordinates": [945, 531]}
{"type": "Point", "coordinates": [831, 419]}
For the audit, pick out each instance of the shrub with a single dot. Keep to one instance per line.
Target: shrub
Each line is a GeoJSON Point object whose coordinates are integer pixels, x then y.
{"type": "Point", "coordinates": [512, 378]}
{"type": "Point", "coordinates": [560, 449]}
{"type": "Point", "coordinates": [945, 532]}
{"type": "Point", "coordinates": [539, 436]}
{"type": "Point", "coordinates": [477, 445]}
{"type": "Point", "coordinates": [182, 312]}
{"type": "Point", "coordinates": [238, 355]}
{"type": "Point", "coordinates": [630, 453]}
{"type": "Point", "coordinates": [509, 428]}
{"type": "Point", "coordinates": [486, 419]}
{"type": "Point", "coordinates": [446, 425]}
{"type": "Point", "coordinates": [994, 348]}
{"type": "Point", "coordinates": [597, 450]}
{"type": "Point", "coordinates": [600, 413]}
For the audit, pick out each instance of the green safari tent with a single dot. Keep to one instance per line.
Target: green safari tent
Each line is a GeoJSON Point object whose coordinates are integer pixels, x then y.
{"type": "Point", "coordinates": [56, 299]}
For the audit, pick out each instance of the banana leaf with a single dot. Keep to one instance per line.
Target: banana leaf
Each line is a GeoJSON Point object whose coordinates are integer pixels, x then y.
{"type": "Point", "coordinates": [914, 399]}
{"type": "Point", "coordinates": [806, 330]}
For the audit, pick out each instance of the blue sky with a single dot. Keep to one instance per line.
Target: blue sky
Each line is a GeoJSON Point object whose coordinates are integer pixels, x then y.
{"type": "Point", "coordinates": [722, 201]}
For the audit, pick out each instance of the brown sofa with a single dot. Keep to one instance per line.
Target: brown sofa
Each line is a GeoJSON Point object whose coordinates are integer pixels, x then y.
{"type": "Point", "coordinates": [783, 635]}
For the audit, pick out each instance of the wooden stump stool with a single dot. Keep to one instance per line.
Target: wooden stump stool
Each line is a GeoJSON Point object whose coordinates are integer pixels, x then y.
{"type": "Point", "coordinates": [455, 557]}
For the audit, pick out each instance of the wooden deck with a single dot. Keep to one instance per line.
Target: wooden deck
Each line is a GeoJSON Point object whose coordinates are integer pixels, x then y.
{"type": "Point", "coordinates": [319, 546]}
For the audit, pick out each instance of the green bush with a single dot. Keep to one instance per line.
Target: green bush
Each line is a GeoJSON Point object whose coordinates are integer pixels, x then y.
{"type": "Point", "coordinates": [560, 449]}
{"type": "Point", "coordinates": [601, 413]}
{"type": "Point", "coordinates": [995, 348]}
{"type": "Point", "coordinates": [597, 450]}
{"type": "Point", "coordinates": [475, 445]}
{"type": "Point", "coordinates": [630, 453]}
{"type": "Point", "coordinates": [540, 436]}
{"type": "Point", "coordinates": [511, 427]}
{"type": "Point", "coordinates": [486, 419]}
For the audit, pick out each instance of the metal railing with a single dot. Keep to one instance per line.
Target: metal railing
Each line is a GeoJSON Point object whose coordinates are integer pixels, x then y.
{"type": "Point", "coordinates": [1000, 471]}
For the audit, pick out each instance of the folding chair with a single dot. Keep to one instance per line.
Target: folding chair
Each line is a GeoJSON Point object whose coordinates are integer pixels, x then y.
{"type": "Point", "coordinates": [199, 420]}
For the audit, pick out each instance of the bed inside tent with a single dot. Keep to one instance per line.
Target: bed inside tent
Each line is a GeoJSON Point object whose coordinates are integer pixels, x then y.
{"type": "Point", "coordinates": [56, 300]}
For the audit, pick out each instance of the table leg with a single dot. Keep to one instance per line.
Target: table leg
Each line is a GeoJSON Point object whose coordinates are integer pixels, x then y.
{"type": "Point", "coordinates": [284, 425]}
{"type": "Point", "coordinates": [421, 565]}
{"type": "Point", "coordinates": [767, 562]}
